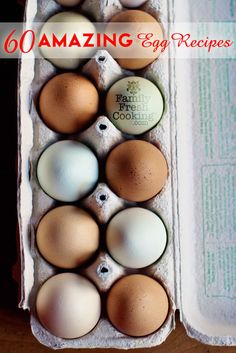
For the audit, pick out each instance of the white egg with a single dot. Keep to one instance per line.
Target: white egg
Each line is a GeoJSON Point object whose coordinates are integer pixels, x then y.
{"type": "Point", "coordinates": [136, 237]}
{"type": "Point", "coordinates": [69, 23]}
{"type": "Point", "coordinates": [68, 305]}
{"type": "Point", "coordinates": [132, 3]}
{"type": "Point", "coordinates": [67, 170]}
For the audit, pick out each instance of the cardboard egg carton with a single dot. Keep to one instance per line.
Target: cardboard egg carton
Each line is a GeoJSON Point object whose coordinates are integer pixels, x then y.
{"type": "Point", "coordinates": [102, 136]}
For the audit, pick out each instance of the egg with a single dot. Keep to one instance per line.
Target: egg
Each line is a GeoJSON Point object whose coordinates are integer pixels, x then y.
{"type": "Point", "coordinates": [68, 103]}
{"type": "Point", "coordinates": [136, 170]}
{"type": "Point", "coordinates": [67, 170]}
{"type": "Point", "coordinates": [132, 3]}
{"type": "Point", "coordinates": [136, 22]}
{"type": "Point", "coordinates": [136, 237]}
{"type": "Point", "coordinates": [137, 305]}
{"type": "Point", "coordinates": [134, 105]}
{"type": "Point", "coordinates": [69, 23]}
{"type": "Point", "coordinates": [67, 236]}
{"type": "Point", "coordinates": [68, 3]}
{"type": "Point", "coordinates": [68, 305]}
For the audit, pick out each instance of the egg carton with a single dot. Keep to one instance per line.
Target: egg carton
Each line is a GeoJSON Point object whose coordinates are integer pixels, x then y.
{"type": "Point", "coordinates": [102, 136]}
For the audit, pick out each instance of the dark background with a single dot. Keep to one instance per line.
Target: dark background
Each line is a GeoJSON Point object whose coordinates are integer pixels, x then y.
{"type": "Point", "coordinates": [8, 98]}
{"type": "Point", "coordinates": [15, 334]}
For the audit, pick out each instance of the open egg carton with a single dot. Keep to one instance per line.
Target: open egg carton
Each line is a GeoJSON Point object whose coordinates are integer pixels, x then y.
{"type": "Point", "coordinates": [101, 136]}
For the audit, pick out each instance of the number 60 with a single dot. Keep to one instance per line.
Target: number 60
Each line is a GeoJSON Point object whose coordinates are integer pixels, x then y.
{"type": "Point", "coordinates": [11, 44]}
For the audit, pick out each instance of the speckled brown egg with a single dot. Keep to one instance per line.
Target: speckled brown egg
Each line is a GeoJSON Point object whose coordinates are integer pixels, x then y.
{"type": "Point", "coordinates": [136, 170]}
{"type": "Point", "coordinates": [67, 236]}
{"type": "Point", "coordinates": [137, 22]}
{"type": "Point", "coordinates": [68, 103]}
{"type": "Point", "coordinates": [137, 305]}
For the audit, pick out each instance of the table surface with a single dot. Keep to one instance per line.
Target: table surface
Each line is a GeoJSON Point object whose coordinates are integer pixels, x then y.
{"type": "Point", "coordinates": [16, 337]}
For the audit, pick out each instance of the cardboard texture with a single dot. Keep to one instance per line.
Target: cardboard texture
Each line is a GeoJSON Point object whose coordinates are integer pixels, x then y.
{"type": "Point", "coordinates": [198, 268]}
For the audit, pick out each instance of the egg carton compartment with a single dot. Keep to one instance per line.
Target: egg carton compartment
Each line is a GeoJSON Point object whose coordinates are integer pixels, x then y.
{"type": "Point", "coordinates": [103, 203]}
{"type": "Point", "coordinates": [99, 11]}
{"type": "Point", "coordinates": [181, 269]}
{"type": "Point", "coordinates": [101, 136]}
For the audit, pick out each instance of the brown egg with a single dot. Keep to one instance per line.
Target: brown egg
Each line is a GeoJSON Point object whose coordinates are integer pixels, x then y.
{"type": "Point", "coordinates": [136, 170]}
{"type": "Point", "coordinates": [67, 236]}
{"type": "Point", "coordinates": [137, 305]}
{"type": "Point", "coordinates": [68, 103]}
{"type": "Point", "coordinates": [68, 3]}
{"type": "Point", "coordinates": [138, 24]}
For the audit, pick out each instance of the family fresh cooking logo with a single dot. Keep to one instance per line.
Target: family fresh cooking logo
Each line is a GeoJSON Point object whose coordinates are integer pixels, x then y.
{"type": "Point", "coordinates": [133, 105]}
{"type": "Point", "coordinates": [133, 87]}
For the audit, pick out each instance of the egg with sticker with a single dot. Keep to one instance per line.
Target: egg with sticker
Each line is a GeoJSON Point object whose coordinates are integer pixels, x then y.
{"type": "Point", "coordinates": [134, 105]}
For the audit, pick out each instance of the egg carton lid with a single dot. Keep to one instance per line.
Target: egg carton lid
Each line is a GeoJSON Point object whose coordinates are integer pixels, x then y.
{"type": "Point", "coordinates": [206, 174]}
{"type": "Point", "coordinates": [205, 259]}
